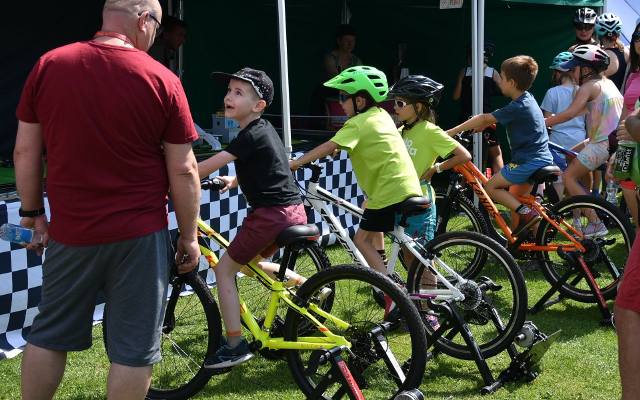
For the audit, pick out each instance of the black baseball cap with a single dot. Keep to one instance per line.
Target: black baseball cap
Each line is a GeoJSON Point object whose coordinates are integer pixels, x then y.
{"type": "Point", "coordinates": [259, 80]}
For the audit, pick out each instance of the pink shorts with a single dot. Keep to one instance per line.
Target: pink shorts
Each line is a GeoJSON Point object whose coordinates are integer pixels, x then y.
{"type": "Point", "coordinates": [629, 290]}
{"type": "Point", "coordinates": [260, 229]}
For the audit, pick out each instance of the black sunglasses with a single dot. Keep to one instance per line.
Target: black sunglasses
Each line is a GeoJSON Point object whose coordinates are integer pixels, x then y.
{"type": "Point", "coordinates": [583, 27]}
{"type": "Point", "coordinates": [158, 26]}
{"type": "Point", "coordinates": [342, 97]}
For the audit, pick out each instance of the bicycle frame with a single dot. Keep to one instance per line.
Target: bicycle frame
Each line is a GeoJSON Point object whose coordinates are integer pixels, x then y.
{"type": "Point", "coordinates": [279, 293]}
{"type": "Point", "coordinates": [477, 180]}
{"type": "Point", "coordinates": [319, 198]}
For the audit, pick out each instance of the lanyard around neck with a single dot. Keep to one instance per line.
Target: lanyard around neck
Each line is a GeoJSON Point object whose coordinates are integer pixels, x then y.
{"type": "Point", "coordinates": [116, 35]}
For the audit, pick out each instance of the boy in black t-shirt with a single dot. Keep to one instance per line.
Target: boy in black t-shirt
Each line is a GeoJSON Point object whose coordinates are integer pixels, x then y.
{"type": "Point", "coordinates": [265, 179]}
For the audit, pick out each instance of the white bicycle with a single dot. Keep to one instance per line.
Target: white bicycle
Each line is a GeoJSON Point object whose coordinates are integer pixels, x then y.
{"type": "Point", "coordinates": [490, 301]}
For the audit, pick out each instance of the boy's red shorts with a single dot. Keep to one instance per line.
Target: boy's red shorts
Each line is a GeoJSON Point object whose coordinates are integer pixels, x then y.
{"type": "Point", "coordinates": [260, 228]}
{"type": "Point", "coordinates": [629, 290]}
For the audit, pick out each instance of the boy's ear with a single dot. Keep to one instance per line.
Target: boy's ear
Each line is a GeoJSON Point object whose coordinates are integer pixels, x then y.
{"type": "Point", "coordinates": [260, 106]}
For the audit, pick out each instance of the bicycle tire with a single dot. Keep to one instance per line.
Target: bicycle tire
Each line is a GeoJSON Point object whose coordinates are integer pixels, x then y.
{"type": "Point", "coordinates": [460, 204]}
{"type": "Point", "coordinates": [553, 267]}
{"type": "Point", "coordinates": [189, 334]}
{"type": "Point", "coordinates": [351, 301]}
{"type": "Point", "coordinates": [509, 303]}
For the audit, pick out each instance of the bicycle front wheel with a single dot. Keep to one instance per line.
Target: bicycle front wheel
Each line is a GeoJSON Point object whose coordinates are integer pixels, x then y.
{"type": "Point", "coordinates": [190, 332]}
{"type": "Point", "coordinates": [495, 301]}
{"type": "Point", "coordinates": [606, 254]}
{"type": "Point", "coordinates": [385, 357]}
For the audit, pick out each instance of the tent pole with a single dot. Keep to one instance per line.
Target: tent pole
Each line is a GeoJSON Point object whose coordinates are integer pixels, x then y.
{"type": "Point", "coordinates": [180, 15]}
{"type": "Point", "coordinates": [284, 77]}
{"type": "Point", "coordinates": [477, 68]}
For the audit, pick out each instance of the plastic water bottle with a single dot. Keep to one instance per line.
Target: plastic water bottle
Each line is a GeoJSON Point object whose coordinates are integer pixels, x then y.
{"type": "Point", "coordinates": [624, 159]}
{"type": "Point", "coordinates": [612, 191]}
{"type": "Point", "coordinates": [19, 234]}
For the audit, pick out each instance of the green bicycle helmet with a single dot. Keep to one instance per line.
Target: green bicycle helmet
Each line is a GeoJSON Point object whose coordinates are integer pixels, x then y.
{"type": "Point", "coordinates": [354, 79]}
{"type": "Point", "coordinates": [559, 59]}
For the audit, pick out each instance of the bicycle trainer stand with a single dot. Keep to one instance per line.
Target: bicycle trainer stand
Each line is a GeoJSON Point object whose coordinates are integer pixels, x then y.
{"type": "Point", "coordinates": [339, 373]}
{"type": "Point", "coordinates": [579, 268]}
{"type": "Point", "coordinates": [523, 366]}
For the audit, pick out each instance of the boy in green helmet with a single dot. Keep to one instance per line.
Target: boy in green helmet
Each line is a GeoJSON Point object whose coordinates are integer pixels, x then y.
{"type": "Point", "coordinates": [378, 155]}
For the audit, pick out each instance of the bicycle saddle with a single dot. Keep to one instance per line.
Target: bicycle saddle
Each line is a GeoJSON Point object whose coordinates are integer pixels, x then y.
{"type": "Point", "coordinates": [414, 205]}
{"type": "Point", "coordinates": [295, 233]}
{"type": "Point", "coordinates": [546, 174]}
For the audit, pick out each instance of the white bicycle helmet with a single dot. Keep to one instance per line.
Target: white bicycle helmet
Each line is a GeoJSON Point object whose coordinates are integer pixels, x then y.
{"type": "Point", "coordinates": [608, 24]}
{"type": "Point", "coordinates": [588, 55]}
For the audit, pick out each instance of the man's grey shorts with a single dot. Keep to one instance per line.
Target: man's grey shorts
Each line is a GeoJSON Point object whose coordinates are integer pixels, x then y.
{"type": "Point", "coordinates": [133, 275]}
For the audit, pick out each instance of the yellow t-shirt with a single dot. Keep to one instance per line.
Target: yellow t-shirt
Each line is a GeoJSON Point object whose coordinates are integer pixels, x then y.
{"type": "Point", "coordinates": [425, 143]}
{"type": "Point", "coordinates": [379, 158]}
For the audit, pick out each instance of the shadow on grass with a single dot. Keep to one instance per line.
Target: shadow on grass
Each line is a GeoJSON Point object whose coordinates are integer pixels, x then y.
{"type": "Point", "coordinates": [574, 318]}
{"type": "Point", "coordinates": [267, 378]}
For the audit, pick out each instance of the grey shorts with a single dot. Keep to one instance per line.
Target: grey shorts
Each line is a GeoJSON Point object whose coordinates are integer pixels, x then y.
{"type": "Point", "coordinates": [133, 275]}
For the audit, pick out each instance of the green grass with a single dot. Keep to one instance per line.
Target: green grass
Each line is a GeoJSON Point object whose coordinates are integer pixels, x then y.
{"type": "Point", "coordinates": [7, 175]}
{"type": "Point", "coordinates": [581, 364]}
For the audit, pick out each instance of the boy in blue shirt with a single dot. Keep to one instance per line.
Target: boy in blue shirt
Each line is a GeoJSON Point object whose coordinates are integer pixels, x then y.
{"type": "Point", "coordinates": [527, 135]}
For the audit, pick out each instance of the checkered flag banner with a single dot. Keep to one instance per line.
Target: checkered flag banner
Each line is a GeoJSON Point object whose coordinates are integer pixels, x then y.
{"type": "Point", "coordinates": [21, 271]}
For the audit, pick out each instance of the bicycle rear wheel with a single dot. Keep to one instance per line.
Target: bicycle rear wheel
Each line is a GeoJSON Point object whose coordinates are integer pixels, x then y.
{"type": "Point", "coordinates": [385, 357]}
{"type": "Point", "coordinates": [495, 296]}
{"type": "Point", "coordinates": [190, 332]}
{"type": "Point", "coordinates": [605, 257]}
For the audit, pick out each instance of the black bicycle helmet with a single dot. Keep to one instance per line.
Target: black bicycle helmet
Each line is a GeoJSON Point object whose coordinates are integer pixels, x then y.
{"type": "Point", "coordinates": [418, 88]}
{"type": "Point", "coordinates": [584, 15]}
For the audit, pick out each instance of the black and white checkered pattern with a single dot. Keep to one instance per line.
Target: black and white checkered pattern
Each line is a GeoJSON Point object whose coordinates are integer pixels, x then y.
{"type": "Point", "coordinates": [21, 271]}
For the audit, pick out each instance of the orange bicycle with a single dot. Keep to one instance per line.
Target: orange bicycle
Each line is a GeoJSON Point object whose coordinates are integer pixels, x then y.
{"type": "Point", "coordinates": [586, 269]}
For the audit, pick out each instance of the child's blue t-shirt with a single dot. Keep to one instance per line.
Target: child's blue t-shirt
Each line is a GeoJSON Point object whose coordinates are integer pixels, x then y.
{"type": "Point", "coordinates": [568, 133]}
{"type": "Point", "coordinates": [526, 130]}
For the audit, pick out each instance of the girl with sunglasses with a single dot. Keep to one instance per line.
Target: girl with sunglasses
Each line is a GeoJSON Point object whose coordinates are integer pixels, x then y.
{"type": "Point", "coordinates": [415, 98]}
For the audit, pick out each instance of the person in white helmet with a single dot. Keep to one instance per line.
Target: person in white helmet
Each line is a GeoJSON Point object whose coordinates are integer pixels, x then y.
{"type": "Point", "coordinates": [603, 103]}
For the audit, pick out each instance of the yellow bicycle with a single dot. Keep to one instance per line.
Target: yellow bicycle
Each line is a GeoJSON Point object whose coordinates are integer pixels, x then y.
{"type": "Point", "coordinates": [307, 325]}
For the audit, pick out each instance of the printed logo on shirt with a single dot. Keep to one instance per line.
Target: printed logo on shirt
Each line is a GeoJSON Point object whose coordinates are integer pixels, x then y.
{"type": "Point", "coordinates": [409, 144]}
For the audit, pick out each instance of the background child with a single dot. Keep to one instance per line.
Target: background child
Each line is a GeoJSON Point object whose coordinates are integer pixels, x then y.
{"type": "Point", "coordinates": [527, 136]}
{"type": "Point", "coordinates": [603, 103]}
{"type": "Point", "coordinates": [557, 99]}
{"type": "Point", "coordinates": [378, 155]}
{"type": "Point", "coordinates": [462, 92]}
{"type": "Point", "coordinates": [266, 181]}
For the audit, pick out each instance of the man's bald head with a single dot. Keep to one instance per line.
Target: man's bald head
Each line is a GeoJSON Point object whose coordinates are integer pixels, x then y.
{"type": "Point", "coordinates": [139, 20]}
{"type": "Point", "coordinates": [132, 6]}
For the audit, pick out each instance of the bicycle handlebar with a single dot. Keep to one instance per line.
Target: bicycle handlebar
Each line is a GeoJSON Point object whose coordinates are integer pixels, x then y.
{"type": "Point", "coordinates": [212, 184]}
{"type": "Point", "coordinates": [316, 170]}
